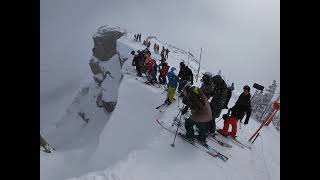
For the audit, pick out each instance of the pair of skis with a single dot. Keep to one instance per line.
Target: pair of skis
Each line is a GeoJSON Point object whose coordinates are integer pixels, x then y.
{"type": "Point", "coordinates": [203, 147]}
{"type": "Point", "coordinates": [235, 141]}
{"type": "Point", "coordinates": [214, 139]}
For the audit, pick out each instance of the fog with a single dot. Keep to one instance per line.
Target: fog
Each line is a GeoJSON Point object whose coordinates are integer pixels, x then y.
{"type": "Point", "coordinates": [242, 38]}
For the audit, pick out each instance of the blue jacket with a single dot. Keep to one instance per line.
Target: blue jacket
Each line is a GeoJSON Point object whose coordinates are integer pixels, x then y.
{"type": "Point", "coordinates": [173, 79]}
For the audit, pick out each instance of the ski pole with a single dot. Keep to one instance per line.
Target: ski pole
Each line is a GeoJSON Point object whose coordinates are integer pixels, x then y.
{"type": "Point", "coordinates": [255, 138]}
{"type": "Point", "coordinates": [178, 102]}
{"type": "Point", "coordinates": [175, 118]}
{"type": "Point", "coordinates": [172, 145]}
{"type": "Point", "coordinates": [219, 120]}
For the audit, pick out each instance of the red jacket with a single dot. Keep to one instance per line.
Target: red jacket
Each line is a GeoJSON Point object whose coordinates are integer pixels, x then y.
{"type": "Point", "coordinates": [164, 71]}
{"type": "Point", "coordinates": [150, 66]}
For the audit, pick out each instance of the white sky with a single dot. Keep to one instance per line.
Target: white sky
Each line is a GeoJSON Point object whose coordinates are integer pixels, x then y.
{"type": "Point", "coordinates": [242, 38]}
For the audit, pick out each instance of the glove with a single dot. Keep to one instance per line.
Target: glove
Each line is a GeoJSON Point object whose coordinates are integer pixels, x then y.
{"type": "Point", "coordinates": [184, 110]}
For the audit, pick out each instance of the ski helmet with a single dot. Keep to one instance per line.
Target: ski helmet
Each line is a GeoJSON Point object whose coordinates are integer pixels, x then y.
{"type": "Point", "coordinates": [182, 64]}
{"type": "Point", "coordinates": [246, 87]}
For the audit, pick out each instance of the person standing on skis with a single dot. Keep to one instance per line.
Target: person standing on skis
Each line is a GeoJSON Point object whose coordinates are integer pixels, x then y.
{"type": "Point", "coordinates": [137, 61]}
{"type": "Point", "coordinates": [217, 103]}
{"type": "Point", "coordinates": [242, 107]}
{"type": "Point", "coordinates": [201, 115]}
{"type": "Point", "coordinates": [163, 73]}
{"type": "Point", "coordinates": [172, 85]}
{"type": "Point", "coordinates": [185, 75]}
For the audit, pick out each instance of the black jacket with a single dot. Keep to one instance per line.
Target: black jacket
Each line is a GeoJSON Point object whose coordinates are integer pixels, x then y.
{"type": "Point", "coordinates": [137, 60]}
{"type": "Point", "coordinates": [186, 74]}
{"type": "Point", "coordinates": [242, 107]}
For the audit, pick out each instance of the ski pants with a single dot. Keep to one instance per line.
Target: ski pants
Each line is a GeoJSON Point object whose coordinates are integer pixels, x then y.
{"type": "Point", "coordinates": [162, 79]}
{"type": "Point", "coordinates": [181, 85]}
{"type": "Point", "coordinates": [154, 75]}
{"type": "Point", "coordinates": [202, 129]}
{"type": "Point", "coordinates": [212, 126]}
{"type": "Point", "coordinates": [233, 121]}
{"type": "Point", "coordinates": [170, 94]}
{"type": "Point", "coordinates": [138, 68]}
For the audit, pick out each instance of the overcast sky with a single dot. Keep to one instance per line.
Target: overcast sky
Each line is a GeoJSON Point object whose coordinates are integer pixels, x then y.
{"type": "Point", "coordinates": [240, 37]}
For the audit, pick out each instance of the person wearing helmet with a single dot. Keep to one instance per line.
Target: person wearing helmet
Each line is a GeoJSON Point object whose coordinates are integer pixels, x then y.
{"type": "Point", "coordinates": [218, 91]}
{"type": "Point", "coordinates": [195, 99]}
{"type": "Point", "coordinates": [207, 85]}
{"type": "Point", "coordinates": [172, 85]}
{"type": "Point", "coordinates": [185, 74]}
{"type": "Point", "coordinates": [242, 107]}
{"type": "Point", "coordinates": [163, 73]}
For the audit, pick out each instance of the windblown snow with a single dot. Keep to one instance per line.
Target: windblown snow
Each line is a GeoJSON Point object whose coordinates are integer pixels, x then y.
{"type": "Point", "coordinates": [128, 144]}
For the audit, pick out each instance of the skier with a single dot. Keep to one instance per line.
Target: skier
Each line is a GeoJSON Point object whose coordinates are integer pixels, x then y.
{"type": "Point", "coordinates": [158, 47]}
{"type": "Point", "coordinates": [237, 112]}
{"type": "Point", "coordinates": [135, 37]}
{"type": "Point", "coordinates": [167, 52]}
{"type": "Point", "coordinates": [207, 85]}
{"type": "Point", "coordinates": [162, 53]}
{"type": "Point", "coordinates": [185, 75]}
{"type": "Point", "coordinates": [195, 99]}
{"type": "Point", "coordinates": [151, 73]}
{"type": "Point", "coordinates": [230, 89]}
{"type": "Point", "coordinates": [172, 85]}
{"type": "Point", "coordinates": [219, 96]}
{"type": "Point", "coordinates": [148, 45]}
{"type": "Point", "coordinates": [163, 73]}
{"type": "Point", "coordinates": [155, 47]}
{"type": "Point", "coordinates": [137, 61]}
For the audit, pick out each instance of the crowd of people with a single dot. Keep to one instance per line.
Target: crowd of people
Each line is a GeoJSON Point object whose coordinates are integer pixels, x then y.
{"type": "Point", "coordinates": [205, 102]}
{"type": "Point", "coordinates": [137, 37]}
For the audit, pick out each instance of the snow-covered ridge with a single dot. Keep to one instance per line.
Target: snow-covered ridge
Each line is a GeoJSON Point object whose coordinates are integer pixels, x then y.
{"type": "Point", "coordinates": [122, 140]}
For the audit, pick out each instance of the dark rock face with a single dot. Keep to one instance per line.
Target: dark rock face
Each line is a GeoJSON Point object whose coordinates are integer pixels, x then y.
{"type": "Point", "coordinates": [105, 46]}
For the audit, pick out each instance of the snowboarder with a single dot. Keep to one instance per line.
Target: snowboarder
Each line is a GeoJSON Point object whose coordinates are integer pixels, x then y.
{"type": "Point", "coordinates": [230, 89]}
{"type": "Point", "coordinates": [163, 73]}
{"type": "Point", "coordinates": [237, 112]}
{"type": "Point", "coordinates": [185, 75]}
{"type": "Point", "coordinates": [137, 61]}
{"type": "Point", "coordinates": [195, 99]}
{"type": "Point", "coordinates": [167, 52]}
{"type": "Point", "coordinates": [172, 85]}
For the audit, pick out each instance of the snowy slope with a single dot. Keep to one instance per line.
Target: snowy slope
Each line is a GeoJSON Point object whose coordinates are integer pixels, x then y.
{"type": "Point", "coordinates": [129, 144]}
{"type": "Point", "coordinates": [154, 158]}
